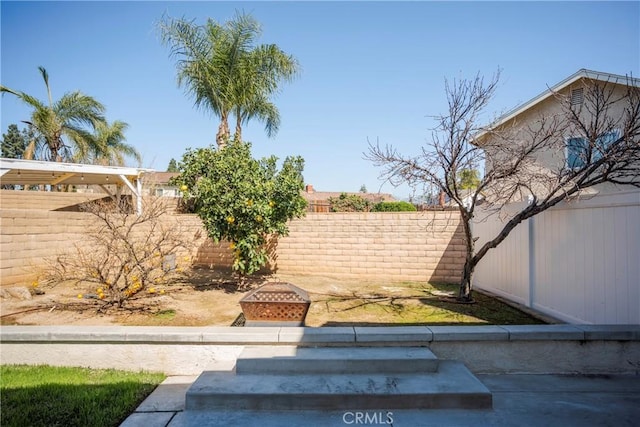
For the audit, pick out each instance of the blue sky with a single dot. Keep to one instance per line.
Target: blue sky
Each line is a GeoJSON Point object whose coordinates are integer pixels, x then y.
{"type": "Point", "coordinates": [370, 70]}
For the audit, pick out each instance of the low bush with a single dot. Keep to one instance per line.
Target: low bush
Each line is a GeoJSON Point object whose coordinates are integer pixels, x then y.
{"type": "Point", "coordinates": [394, 207]}
{"type": "Point", "coordinates": [349, 203]}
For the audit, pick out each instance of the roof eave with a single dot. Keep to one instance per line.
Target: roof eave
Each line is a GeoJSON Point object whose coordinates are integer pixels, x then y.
{"type": "Point", "coordinates": [580, 74]}
{"type": "Point", "coordinates": [32, 172]}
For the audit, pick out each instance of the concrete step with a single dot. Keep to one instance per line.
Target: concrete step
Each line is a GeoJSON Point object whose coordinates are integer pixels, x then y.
{"type": "Point", "coordinates": [452, 386]}
{"type": "Point", "coordinates": [327, 360]}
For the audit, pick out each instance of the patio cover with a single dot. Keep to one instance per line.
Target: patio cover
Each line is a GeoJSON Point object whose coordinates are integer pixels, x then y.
{"type": "Point", "coordinates": [35, 172]}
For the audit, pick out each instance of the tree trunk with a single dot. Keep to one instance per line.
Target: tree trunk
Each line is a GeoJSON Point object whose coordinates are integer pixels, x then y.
{"type": "Point", "coordinates": [238, 135]}
{"type": "Point", "coordinates": [464, 294]}
{"type": "Point", "coordinates": [222, 137]}
{"type": "Point", "coordinates": [54, 150]}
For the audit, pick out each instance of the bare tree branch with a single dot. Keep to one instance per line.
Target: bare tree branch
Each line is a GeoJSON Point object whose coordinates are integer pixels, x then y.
{"type": "Point", "coordinates": [123, 254]}
{"type": "Point", "coordinates": [533, 160]}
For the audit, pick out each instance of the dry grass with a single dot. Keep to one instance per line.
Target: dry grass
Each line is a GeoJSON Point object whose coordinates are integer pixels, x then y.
{"type": "Point", "coordinates": [211, 298]}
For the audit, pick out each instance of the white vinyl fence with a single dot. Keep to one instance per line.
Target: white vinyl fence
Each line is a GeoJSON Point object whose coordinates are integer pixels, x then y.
{"type": "Point", "coordinates": [578, 261]}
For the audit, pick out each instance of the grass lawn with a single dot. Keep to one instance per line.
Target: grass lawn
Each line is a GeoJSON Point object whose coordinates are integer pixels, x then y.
{"type": "Point", "coordinates": [58, 396]}
{"type": "Point", "coordinates": [408, 304]}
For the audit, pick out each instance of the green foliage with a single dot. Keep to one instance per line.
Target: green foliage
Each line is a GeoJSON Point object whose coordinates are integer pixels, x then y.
{"type": "Point", "coordinates": [363, 189]}
{"type": "Point", "coordinates": [242, 200]}
{"type": "Point", "coordinates": [468, 179]}
{"type": "Point", "coordinates": [62, 396]}
{"type": "Point", "coordinates": [108, 146]}
{"type": "Point", "coordinates": [349, 203]}
{"type": "Point", "coordinates": [68, 117]}
{"type": "Point", "coordinates": [224, 69]}
{"type": "Point", "coordinates": [173, 166]}
{"type": "Point", "coordinates": [394, 207]}
{"type": "Point", "coordinates": [73, 128]}
{"type": "Point", "coordinates": [167, 314]}
{"type": "Point", "coordinates": [14, 142]}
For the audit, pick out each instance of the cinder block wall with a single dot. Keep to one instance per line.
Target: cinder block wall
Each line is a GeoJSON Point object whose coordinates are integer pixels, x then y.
{"type": "Point", "coordinates": [423, 246]}
{"type": "Point", "coordinates": [397, 246]}
{"type": "Point", "coordinates": [43, 200]}
{"type": "Point", "coordinates": [29, 237]}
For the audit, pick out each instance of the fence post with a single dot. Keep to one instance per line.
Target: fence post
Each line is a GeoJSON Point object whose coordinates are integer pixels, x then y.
{"type": "Point", "coordinates": [532, 262]}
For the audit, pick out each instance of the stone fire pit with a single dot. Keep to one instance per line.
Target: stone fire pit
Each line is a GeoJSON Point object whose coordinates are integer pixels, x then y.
{"type": "Point", "coordinates": [275, 304]}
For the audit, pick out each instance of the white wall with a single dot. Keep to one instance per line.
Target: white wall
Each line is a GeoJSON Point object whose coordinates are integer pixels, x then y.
{"type": "Point", "coordinates": [176, 350]}
{"type": "Point", "coordinates": [578, 261]}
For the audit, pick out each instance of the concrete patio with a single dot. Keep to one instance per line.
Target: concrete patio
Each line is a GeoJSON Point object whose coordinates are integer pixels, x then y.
{"type": "Point", "coordinates": [562, 375]}
{"type": "Point", "coordinates": [522, 400]}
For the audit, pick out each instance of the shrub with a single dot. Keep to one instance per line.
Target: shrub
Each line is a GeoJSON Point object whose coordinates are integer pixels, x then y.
{"type": "Point", "coordinates": [124, 254]}
{"type": "Point", "coordinates": [349, 203]}
{"type": "Point", "coordinates": [394, 207]}
{"type": "Point", "coordinates": [242, 200]}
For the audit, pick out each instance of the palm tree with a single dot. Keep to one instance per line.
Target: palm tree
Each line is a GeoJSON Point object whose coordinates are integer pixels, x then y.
{"type": "Point", "coordinates": [107, 146]}
{"type": "Point", "coordinates": [66, 118]}
{"type": "Point", "coordinates": [226, 73]}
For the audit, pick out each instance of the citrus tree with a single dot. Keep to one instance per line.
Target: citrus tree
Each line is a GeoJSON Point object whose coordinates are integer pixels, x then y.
{"type": "Point", "coordinates": [242, 200]}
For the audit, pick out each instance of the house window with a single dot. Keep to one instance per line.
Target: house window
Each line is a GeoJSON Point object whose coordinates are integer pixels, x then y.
{"type": "Point", "coordinates": [159, 192]}
{"type": "Point", "coordinates": [578, 149]}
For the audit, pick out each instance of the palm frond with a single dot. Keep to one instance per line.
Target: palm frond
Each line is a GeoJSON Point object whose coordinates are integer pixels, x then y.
{"type": "Point", "coordinates": [266, 112]}
{"type": "Point", "coordinates": [83, 141]}
{"type": "Point", "coordinates": [191, 46]}
{"type": "Point", "coordinates": [225, 71]}
{"type": "Point", "coordinates": [26, 98]}
{"type": "Point", "coordinates": [110, 148]}
{"type": "Point", "coordinates": [45, 77]}
{"type": "Point", "coordinates": [80, 109]}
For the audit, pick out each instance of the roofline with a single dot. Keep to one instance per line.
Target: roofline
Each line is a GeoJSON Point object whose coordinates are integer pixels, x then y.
{"type": "Point", "coordinates": [582, 73]}
{"type": "Point", "coordinates": [131, 177]}
{"type": "Point", "coordinates": [39, 165]}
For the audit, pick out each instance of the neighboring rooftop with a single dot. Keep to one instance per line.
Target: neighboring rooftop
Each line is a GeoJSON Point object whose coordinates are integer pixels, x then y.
{"type": "Point", "coordinates": [160, 178]}
{"type": "Point", "coordinates": [312, 195]}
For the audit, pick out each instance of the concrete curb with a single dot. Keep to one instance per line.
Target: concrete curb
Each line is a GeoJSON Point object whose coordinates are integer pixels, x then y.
{"type": "Point", "coordinates": [315, 336]}
{"type": "Point", "coordinates": [541, 349]}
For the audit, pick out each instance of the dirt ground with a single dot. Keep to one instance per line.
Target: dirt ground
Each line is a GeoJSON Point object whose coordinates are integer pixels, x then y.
{"type": "Point", "coordinates": [207, 298]}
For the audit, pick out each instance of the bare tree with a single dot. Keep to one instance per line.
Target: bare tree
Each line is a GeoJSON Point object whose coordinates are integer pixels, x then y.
{"type": "Point", "coordinates": [600, 135]}
{"type": "Point", "coordinates": [124, 255]}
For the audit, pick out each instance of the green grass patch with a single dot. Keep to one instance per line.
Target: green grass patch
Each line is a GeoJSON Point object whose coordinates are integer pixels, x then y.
{"type": "Point", "coordinates": [168, 314]}
{"type": "Point", "coordinates": [412, 303]}
{"type": "Point", "coordinates": [61, 396]}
